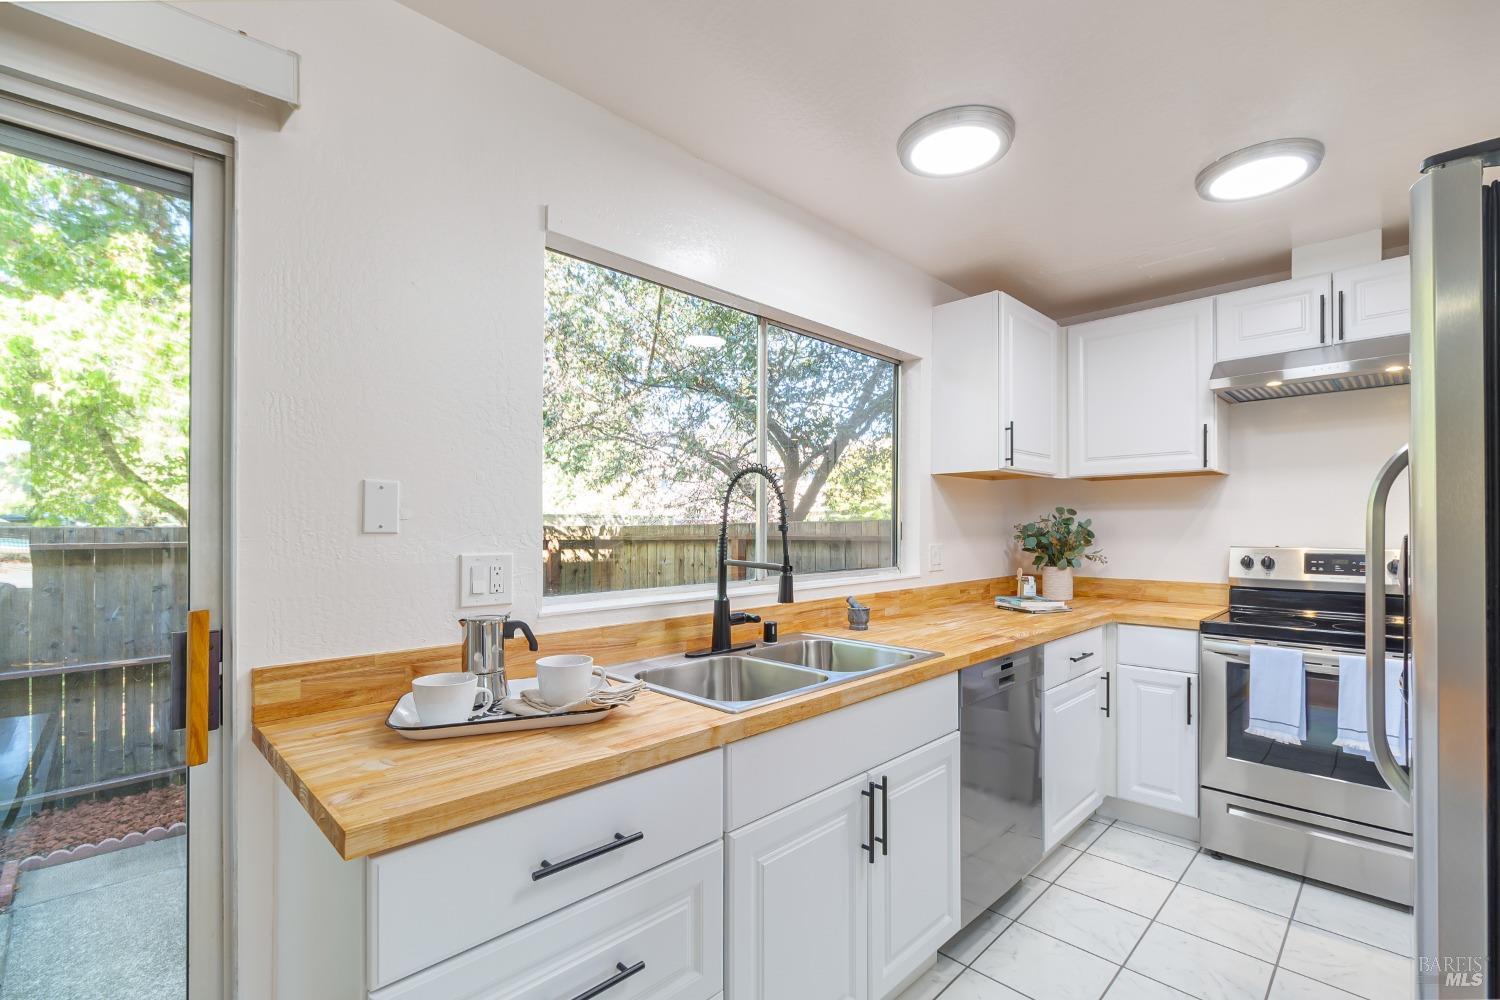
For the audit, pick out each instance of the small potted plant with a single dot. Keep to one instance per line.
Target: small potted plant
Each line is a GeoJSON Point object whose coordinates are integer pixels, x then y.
{"type": "Point", "coordinates": [1059, 543]}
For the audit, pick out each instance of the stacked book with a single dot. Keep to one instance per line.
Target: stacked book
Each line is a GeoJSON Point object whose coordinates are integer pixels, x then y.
{"type": "Point", "coordinates": [1031, 605]}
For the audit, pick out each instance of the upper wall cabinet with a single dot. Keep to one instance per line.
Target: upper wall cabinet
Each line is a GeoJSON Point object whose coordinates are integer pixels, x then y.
{"type": "Point", "coordinates": [997, 389]}
{"type": "Point", "coordinates": [1272, 319]}
{"type": "Point", "coordinates": [1372, 301]}
{"type": "Point", "coordinates": [1138, 397]}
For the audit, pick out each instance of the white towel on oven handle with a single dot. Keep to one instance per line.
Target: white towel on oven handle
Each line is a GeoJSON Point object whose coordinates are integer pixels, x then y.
{"type": "Point", "coordinates": [1278, 694]}
{"type": "Point", "coordinates": [1354, 729]}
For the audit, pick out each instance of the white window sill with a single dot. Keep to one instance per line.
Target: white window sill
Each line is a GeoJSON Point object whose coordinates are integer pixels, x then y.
{"type": "Point", "coordinates": [560, 607]}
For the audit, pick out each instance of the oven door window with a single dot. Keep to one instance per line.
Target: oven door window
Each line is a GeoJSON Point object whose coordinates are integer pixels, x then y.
{"type": "Point", "coordinates": [1315, 755]}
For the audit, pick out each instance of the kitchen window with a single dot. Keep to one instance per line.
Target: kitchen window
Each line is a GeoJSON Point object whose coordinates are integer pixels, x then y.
{"type": "Point", "coordinates": [653, 396]}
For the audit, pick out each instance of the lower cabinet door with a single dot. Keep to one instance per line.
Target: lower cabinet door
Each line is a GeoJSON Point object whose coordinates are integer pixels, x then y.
{"type": "Point", "coordinates": [659, 935]}
{"type": "Point", "coordinates": [1157, 729]}
{"type": "Point", "coordinates": [1072, 749]}
{"type": "Point", "coordinates": [914, 892]}
{"type": "Point", "coordinates": [798, 900]}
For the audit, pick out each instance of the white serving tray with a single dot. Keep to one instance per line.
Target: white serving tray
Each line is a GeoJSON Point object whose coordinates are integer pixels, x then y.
{"type": "Point", "coordinates": [404, 722]}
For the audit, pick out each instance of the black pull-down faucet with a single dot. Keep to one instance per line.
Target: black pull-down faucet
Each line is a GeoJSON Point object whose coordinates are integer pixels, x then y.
{"type": "Point", "coordinates": [721, 642]}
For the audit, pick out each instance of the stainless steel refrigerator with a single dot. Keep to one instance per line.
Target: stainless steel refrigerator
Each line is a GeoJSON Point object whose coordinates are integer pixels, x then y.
{"type": "Point", "coordinates": [1454, 573]}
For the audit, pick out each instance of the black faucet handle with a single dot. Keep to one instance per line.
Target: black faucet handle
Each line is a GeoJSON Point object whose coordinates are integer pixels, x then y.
{"type": "Point", "coordinates": [742, 617]}
{"type": "Point", "coordinates": [512, 627]}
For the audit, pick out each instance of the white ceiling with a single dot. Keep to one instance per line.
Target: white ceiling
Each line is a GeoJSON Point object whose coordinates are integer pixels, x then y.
{"type": "Point", "coordinates": [1117, 105]}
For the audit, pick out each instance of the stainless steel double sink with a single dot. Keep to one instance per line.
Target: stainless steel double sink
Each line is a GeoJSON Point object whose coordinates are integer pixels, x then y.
{"type": "Point", "coordinates": [798, 664]}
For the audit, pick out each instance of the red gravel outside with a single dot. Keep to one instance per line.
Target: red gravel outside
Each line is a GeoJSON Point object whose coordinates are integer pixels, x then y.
{"type": "Point", "coordinates": [91, 822]}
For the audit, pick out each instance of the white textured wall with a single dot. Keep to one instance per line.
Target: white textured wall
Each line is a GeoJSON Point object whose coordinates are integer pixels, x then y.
{"type": "Point", "coordinates": [1300, 472]}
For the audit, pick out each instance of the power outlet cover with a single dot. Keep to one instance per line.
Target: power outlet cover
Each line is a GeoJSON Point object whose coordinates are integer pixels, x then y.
{"type": "Point", "coordinates": [485, 579]}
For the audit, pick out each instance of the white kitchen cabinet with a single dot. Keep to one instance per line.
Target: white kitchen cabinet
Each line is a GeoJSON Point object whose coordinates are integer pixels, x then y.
{"type": "Point", "coordinates": [1272, 319]}
{"type": "Point", "coordinates": [997, 389]}
{"type": "Point", "coordinates": [847, 893]}
{"type": "Point", "coordinates": [1072, 755]}
{"type": "Point", "coordinates": [799, 900]}
{"type": "Point", "coordinates": [1372, 301]}
{"type": "Point", "coordinates": [1156, 724]}
{"type": "Point", "coordinates": [914, 892]}
{"type": "Point", "coordinates": [1138, 396]}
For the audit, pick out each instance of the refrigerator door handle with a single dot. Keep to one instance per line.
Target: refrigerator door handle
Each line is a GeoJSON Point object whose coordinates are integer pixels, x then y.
{"type": "Point", "coordinates": [1375, 621]}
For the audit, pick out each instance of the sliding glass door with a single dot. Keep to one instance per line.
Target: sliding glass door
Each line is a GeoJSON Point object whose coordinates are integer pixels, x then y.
{"type": "Point", "coordinates": [111, 423]}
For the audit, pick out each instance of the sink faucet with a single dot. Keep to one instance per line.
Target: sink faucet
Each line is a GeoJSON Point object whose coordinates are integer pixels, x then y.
{"type": "Point", "coordinates": [721, 641]}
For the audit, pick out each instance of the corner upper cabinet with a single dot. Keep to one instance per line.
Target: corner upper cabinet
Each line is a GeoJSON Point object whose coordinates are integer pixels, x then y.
{"type": "Point", "coordinates": [997, 389]}
{"type": "Point", "coordinates": [1272, 319]}
{"type": "Point", "coordinates": [1373, 301]}
{"type": "Point", "coordinates": [1138, 396]}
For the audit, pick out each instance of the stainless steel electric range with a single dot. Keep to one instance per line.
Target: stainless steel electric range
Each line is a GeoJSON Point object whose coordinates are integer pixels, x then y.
{"type": "Point", "coordinates": [1306, 806]}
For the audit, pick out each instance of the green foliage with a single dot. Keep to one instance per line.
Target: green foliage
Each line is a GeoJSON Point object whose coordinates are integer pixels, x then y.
{"type": "Point", "coordinates": [94, 345]}
{"type": "Point", "coordinates": [1059, 539]}
{"type": "Point", "coordinates": [647, 422]}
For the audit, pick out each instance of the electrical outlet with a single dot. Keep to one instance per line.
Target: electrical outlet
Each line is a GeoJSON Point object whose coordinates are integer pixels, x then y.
{"type": "Point", "coordinates": [485, 579]}
{"type": "Point", "coordinates": [935, 558]}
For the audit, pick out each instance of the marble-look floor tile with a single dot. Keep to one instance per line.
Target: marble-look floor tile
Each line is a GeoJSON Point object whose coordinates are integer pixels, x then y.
{"type": "Point", "coordinates": [1146, 853]}
{"type": "Point", "coordinates": [1384, 925]}
{"type": "Point", "coordinates": [1121, 885]}
{"type": "Point", "coordinates": [1243, 882]}
{"type": "Point", "coordinates": [1087, 832]}
{"type": "Point", "coordinates": [1255, 932]}
{"type": "Point", "coordinates": [970, 985]}
{"type": "Point", "coordinates": [967, 944]}
{"type": "Point", "coordinates": [1349, 965]}
{"type": "Point", "coordinates": [1013, 903]}
{"type": "Point", "coordinates": [1094, 926]}
{"type": "Point", "coordinates": [1146, 831]}
{"type": "Point", "coordinates": [1134, 986]}
{"type": "Point", "coordinates": [1056, 863]}
{"type": "Point", "coordinates": [932, 982]}
{"type": "Point", "coordinates": [1289, 986]}
{"type": "Point", "coordinates": [1044, 968]}
{"type": "Point", "coordinates": [1199, 968]}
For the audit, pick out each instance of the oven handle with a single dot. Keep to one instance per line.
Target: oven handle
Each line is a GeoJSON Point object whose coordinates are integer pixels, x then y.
{"type": "Point", "coordinates": [1313, 663]}
{"type": "Point", "coordinates": [1380, 492]}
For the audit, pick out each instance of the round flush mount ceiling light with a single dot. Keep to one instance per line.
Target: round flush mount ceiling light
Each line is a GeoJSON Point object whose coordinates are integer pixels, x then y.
{"type": "Point", "coordinates": [1260, 169]}
{"type": "Point", "coordinates": [956, 141]}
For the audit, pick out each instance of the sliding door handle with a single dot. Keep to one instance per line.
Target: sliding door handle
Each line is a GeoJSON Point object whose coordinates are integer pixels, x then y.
{"type": "Point", "coordinates": [196, 695]}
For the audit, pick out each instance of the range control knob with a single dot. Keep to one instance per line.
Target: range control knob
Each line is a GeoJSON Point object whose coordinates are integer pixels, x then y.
{"type": "Point", "coordinates": [1267, 563]}
{"type": "Point", "coordinates": [1247, 562]}
{"type": "Point", "coordinates": [1393, 567]}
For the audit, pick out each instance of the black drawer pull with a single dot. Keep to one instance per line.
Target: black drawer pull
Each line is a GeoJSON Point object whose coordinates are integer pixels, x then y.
{"type": "Point", "coordinates": [1080, 657]}
{"type": "Point", "coordinates": [1106, 694]}
{"type": "Point", "coordinates": [624, 973]}
{"type": "Point", "coordinates": [621, 840]}
{"type": "Point", "coordinates": [1190, 701]}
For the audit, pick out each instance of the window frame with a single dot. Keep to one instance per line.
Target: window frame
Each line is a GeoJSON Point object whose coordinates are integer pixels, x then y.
{"type": "Point", "coordinates": [766, 316]}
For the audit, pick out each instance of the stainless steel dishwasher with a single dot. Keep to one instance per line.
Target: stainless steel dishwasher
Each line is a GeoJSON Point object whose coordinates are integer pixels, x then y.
{"type": "Point", "coordinates": [1000, 736]}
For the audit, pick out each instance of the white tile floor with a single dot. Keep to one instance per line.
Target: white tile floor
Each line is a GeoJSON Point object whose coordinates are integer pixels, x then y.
{"type": "Point", "coordinates": [1125, 913]}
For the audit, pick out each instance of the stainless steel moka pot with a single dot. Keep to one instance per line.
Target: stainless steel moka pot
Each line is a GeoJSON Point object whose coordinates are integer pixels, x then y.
{"type": "Point", "coordinates": [484, 649]}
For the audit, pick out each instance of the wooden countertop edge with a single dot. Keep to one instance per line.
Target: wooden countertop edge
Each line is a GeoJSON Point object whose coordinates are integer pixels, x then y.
{"type": "Point", "coordinates": [481, 801]}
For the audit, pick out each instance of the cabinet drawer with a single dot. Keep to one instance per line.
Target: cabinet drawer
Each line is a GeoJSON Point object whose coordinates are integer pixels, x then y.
{"type": "Point", "coordinates": [669, 922]}
{"type": "Point", "coordinates": [1149, 646]}
{"type": "Point", "coordinates": [438, 897]}
{"type": "Point", "coordinates": [1064, 659]}
{"type": "Point", "coordinates": [775, 769]}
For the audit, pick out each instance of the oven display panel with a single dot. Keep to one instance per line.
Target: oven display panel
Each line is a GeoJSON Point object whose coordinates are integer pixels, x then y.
{"type": "Point", "coordinates": [1333, 564]}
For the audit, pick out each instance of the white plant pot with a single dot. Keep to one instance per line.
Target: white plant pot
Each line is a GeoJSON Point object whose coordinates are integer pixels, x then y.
{"type": "Point", "coordinates": [1057, 584]}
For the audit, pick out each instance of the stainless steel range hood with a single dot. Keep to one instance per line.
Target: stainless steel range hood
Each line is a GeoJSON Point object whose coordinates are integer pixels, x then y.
{"type": "Point", "coordinates": [1353, 364]}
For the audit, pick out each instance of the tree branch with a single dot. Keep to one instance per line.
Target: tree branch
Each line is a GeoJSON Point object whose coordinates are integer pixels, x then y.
{"type": "Point", "coordinates": [149, 493]}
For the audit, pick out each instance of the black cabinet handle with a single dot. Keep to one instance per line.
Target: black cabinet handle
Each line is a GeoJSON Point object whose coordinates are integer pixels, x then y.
{"type": "Point", "coordinates": [1341, 314]}
{"type": "Point", "coordinates": [869, 793]}
{"type": "Point", "coordinates": [1010, 443]}
{"type": "Point", "coordinates": [1105, 709]}
{"type": "Point", "coordinates": [621, 840]}
{"type": "Point", "coordinates": [1322, 318]}
{"type": "Point", "coordinates": [623, 973]}
{"type": "Point", "coordinates": [885, 814]}
{"type": "Point", "coordinates": [1190, 701]}
{"type": "Point", "coordinates": [1205, 446]}
{"type": "Point", "coordinates": [1080, 657]}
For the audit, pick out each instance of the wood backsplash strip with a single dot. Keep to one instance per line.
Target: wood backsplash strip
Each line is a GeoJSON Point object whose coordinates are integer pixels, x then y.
{"type": "Point", "coordinates": [293, 690]}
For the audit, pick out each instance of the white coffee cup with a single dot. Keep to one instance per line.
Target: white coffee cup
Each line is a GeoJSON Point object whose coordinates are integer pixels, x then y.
{"type": "Point", "coordinates": [446, 698]}
{"type": "Point", "coordinates": [565, 678]}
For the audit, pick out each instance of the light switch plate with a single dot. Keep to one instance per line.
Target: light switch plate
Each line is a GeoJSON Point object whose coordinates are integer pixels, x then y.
{"type": "Point", "coordinates": [935, 558]}
{"type": "Point", "coordinates": [382, 506]}
{"type": "Point", "coordinates": [485, 579]}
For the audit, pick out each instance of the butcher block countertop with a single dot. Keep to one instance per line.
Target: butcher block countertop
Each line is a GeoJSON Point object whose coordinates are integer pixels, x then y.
{"type": "Point", "coordinates": [322, 725]}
